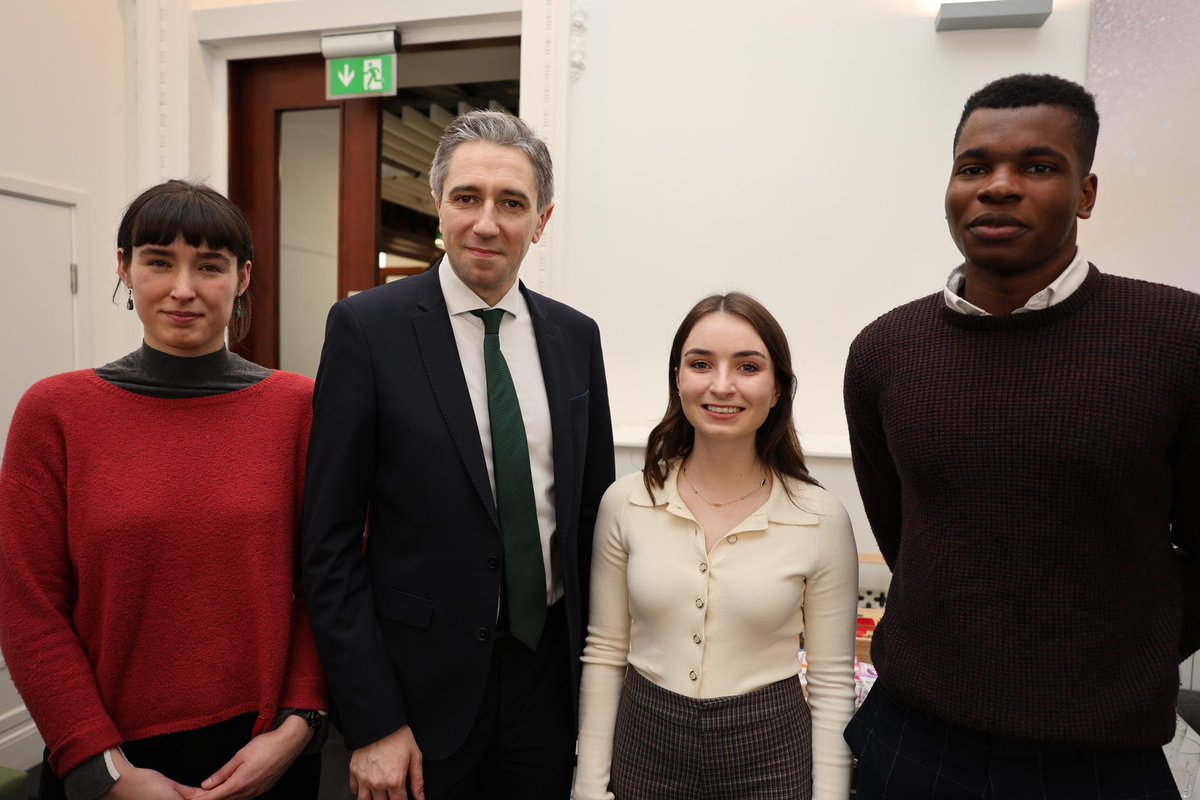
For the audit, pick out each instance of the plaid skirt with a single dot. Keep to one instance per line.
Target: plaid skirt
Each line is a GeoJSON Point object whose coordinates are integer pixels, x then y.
{"type": "Point", "coordinates": [756, 746]}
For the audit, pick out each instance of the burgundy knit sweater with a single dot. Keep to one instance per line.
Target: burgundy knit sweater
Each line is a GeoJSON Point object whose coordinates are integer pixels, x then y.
{"type": "Point", "coordinates": [146, 583]}
{"type": "Point", "coordinates": [1033, 481]}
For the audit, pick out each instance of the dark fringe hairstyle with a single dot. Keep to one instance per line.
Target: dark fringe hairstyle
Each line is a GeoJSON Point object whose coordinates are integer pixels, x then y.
{"type": "Point", "coordinates": [203, 217]}
{"type": "Point", "coordinates": [776, 442]}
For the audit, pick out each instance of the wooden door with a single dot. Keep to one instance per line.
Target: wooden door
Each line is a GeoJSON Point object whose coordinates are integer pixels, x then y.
{"type": "Point", "coordinates": [260, 91]}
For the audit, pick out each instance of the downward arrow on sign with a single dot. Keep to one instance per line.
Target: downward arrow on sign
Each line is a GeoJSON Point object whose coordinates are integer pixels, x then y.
{"type": "Point", "coordinates": [346, 75]}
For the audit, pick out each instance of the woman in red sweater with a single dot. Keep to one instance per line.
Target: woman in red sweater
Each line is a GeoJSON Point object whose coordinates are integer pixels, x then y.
{"type": "Point", "coordinates": [149, 608]}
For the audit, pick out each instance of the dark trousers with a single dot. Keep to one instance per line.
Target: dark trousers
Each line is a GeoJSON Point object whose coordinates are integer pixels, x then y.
{"type": "Point", "coordinates": [189, 757]}
{"type": "Point", "coordinates": [523, 741]}
{"type": "Point", "coordinates": [904, 754]}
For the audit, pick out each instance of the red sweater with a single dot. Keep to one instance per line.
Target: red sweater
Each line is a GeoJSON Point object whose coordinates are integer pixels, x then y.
{"type": "Point", "coordinates": [148, 578]}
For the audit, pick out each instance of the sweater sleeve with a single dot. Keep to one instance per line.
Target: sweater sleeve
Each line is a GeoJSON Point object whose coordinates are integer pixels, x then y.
{"type": "Point", "coordinates": [830, 608]}
{"type": "Point", "coordinates": [1185, 518]}
{"type": "Point", "coordinates": [606, 653]}
{"type": "Point", "coordinates": [47, 662]}
{"type": "Point", "coordinates": [304, 683]}
{"type": "Point", "coordinates": [878, 480]}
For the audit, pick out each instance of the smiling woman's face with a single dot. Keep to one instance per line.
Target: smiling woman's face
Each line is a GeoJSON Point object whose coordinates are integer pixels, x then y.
{"type": "Point", "coordinates": [726, 379]}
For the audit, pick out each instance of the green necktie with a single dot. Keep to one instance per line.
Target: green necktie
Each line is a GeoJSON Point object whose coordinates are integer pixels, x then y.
{"type": "Point", "coordinates": [524, 575]}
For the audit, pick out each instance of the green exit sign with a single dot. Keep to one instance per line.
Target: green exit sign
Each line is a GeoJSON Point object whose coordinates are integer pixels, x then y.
{"type": "Point", "coordinates": [362, 76]}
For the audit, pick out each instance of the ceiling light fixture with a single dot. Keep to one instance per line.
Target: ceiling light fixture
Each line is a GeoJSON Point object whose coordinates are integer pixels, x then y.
{"type": "Point", "coordinates": [984, 14]}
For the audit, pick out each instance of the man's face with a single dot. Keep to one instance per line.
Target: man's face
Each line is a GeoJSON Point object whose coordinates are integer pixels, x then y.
{"type": "Point", "coordinates": [488, 213]}
{"type": "Point", "coordinates": [1017, 189]}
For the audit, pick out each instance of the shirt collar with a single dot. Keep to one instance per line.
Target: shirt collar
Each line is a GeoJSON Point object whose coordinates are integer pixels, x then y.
{"type": "Point", "coordinates": [461, 299]}
{"type": "Point", "coordinates": [780, 509]}
{"type": "Point", "coordinates": [1059, 289]}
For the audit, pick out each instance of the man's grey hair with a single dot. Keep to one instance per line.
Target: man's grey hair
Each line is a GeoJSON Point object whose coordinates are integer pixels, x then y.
{"type": "Point", "coordinates": [494, 127]}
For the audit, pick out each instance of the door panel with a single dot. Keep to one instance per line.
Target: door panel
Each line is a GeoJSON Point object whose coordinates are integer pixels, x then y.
{"type": "Point", "coordinates": [36, 311]}
{"type": "Point", "coordinates": [260, 92]}
{"type": "Point", "coordinates": [35, 307]}
{"type": "Point", "coordinates": [308, 233]}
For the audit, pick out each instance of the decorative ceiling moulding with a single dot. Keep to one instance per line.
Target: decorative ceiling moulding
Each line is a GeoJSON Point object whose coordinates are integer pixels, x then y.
{"type": "Point", "coordinates": [989, 14]}
{"type": "Point", "coordinates": [158, 91]}
{"type": "Point", "coordinates": [297, 25]}
{"type": "Point", "coordinates": [579, 22]}
{"type": "Point", "coordinates": [545, 82]}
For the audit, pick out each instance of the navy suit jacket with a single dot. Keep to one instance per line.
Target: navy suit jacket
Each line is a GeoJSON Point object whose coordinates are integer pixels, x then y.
{"type": "Point", "coordinates": [405, 625]}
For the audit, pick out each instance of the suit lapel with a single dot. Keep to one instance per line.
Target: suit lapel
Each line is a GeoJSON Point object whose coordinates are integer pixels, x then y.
{"type": "Point", "coordinates": [555, 372]}
{"type": "Point", "coordinates": [439, 353]}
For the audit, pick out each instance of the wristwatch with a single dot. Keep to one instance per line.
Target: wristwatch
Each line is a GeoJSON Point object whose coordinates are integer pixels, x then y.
{"type": "Point", "coordinates": [313, 718]}
{"type": "Point", "coordinates": [316, 721]}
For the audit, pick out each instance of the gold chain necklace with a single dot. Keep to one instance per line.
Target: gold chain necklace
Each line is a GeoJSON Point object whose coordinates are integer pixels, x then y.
{"type": "Point", "coordinates": [696, 491]}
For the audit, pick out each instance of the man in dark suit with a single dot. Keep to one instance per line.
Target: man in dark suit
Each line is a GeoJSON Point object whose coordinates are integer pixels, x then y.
{"type": "Point", "coordinates": [451, 636]}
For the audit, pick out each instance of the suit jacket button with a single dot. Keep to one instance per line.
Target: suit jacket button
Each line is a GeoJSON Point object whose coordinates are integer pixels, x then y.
{"type": "Point", "coordinates": [493, 563]}
{"type": "Point", "coordinates": [483, 634]}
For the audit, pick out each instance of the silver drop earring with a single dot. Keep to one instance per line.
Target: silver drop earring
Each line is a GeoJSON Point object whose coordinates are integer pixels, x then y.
{"type": "Point", "coordinates": [129, 300]}
{"type": "Point", "coordinates": [237, 306]}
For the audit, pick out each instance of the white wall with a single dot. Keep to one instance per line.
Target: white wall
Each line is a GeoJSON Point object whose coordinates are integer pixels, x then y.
{"type": "Point", "coordinates": [801, 153]}
{"type": "Point", "coordinates": [797, 151]}
{"type": "Point", "coordinates": [65, 126]}
{"type": "Point", "coordinates": [1145, 71]}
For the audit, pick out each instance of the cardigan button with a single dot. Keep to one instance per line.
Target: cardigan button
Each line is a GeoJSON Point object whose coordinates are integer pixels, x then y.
{"type": "Point", "coordinates": [493, 563]}
{"type": "Point", "coordinates": [696, 638]}
{"type": "Point", "coordinates": [703, 567]}
{"type": "Point", "coordinates": [693, 675]}
{"type": "Point", "coordinates": [483, 634]}
{"type": "Point", "coordinates": [731, 538]}
{"type": "Point", "coordinates": [699, 602]}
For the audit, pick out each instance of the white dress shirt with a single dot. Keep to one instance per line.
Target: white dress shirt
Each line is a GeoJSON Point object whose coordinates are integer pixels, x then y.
{"type": "Point", "coordinates": [519, 347]}
{"type": "Point", "coordinates": [1060, 289]}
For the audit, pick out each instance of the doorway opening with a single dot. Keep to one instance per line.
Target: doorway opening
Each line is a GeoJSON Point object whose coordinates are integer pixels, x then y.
{"type": "Point", "coordinates": [337, 192]}
{"type": "Point", "coordinates": [412, 122]}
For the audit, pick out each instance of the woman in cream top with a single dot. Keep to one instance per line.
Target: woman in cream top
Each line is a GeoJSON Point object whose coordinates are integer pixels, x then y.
{"type": "Point", "coordinates": [707, 570]}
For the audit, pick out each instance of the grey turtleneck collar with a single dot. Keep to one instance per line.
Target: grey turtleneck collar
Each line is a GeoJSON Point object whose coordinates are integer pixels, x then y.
{"type": "Point", "coordinates": [154, 373]}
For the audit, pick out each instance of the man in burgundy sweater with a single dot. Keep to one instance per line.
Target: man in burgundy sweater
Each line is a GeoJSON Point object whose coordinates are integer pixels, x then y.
{"type": "Point", "coordinates": [1027, 445]}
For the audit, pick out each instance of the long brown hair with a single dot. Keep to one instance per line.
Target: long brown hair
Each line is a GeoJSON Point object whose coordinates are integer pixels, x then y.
{"type": "Point", "coordinates": [775, 442]}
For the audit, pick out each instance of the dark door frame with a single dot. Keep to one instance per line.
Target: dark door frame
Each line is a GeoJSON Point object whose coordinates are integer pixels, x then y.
{"type": "Point", "coordinates": [260, 90]}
